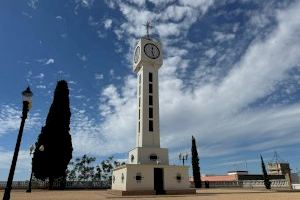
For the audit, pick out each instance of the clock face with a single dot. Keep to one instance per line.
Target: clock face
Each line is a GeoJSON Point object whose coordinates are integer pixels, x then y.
{"type": "Point", "coordinates": [137, 54]}
{"type": "Point", "coordinates": [151, 51]}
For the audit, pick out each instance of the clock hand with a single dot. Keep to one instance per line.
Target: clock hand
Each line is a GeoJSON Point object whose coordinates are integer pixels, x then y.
{"type": "Point", "coordinates": [152, 51]}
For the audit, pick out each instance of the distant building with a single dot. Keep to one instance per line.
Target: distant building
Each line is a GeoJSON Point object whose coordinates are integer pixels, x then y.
{"type": "Point", "coordinates": [242, 179]}
{"type": "Point", "coordinates": [237, 172]}
{"type": "Point", "coordinates": [239, 176]}
{"type": "Point", "coordinates": [278, 168]}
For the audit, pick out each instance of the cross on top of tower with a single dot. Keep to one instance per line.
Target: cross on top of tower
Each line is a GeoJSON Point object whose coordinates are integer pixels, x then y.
{"type": "Point", "coordinates": [148, 27]}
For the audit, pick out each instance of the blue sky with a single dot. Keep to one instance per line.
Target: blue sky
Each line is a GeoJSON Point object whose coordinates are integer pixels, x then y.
{"type": "Point", "coordinates": [230, 77]}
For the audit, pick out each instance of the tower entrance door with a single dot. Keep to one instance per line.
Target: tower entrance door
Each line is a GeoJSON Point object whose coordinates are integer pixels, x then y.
{"type": "Point", "coordinates": [159, 181]}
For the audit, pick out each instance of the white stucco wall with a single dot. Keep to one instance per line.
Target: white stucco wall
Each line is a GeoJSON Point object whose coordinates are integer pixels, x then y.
{"type": "Point", "coordinates": [170, 181]}
{"type": "Point", "coordinates": [147, 172]}
{"type": "Point", "coordinates": [142, 154]}
{"type": "Point", "coordinates": [117, 183]}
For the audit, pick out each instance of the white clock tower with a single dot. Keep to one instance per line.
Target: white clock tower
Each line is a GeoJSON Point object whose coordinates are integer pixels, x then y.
{"type": "Point", "coordinates": [148, 170]}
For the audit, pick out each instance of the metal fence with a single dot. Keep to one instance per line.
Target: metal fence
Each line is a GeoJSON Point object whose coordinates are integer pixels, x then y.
{"type": "Point", "coordinates": [107, 184]}
{"type": "Point", "coordinates": [260, 183]}
{"type": "Point", "coordinates": [280, 183]}
{"type": "Point", "coordinates": [69, 184]}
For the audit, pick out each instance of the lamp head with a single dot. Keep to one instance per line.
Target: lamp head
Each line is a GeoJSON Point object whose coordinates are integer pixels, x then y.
{"type": "Point", "coordinates": [42, 148]}
{"type": "Point", "coordinates": [27, 96]}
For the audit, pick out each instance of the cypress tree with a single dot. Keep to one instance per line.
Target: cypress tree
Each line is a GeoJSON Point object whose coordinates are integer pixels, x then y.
{"type": "Point", "coordinates": [195, 164]}
{"type": "Point", "coordinates": [267, 181]}
{"type": "Point", "coordinates": [54, 146]}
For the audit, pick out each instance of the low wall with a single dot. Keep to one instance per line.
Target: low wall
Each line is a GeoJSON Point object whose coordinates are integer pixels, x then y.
{"type": "Point", "coordinates": [296, 186]}
{"type": "Point", "coordinates": [69, 184]}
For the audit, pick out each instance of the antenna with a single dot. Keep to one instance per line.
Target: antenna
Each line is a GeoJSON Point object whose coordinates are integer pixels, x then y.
{"type": "Point", "coordinates": [246, 165]}
{"type": "Point", "coordinates": [276, 158]}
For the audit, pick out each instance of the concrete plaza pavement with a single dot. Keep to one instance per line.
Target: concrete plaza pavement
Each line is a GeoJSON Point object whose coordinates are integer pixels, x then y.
{"type": "Point", "coordinates": [202, 194]}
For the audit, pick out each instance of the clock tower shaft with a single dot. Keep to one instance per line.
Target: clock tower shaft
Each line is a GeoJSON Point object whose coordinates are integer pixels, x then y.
{"type": "Point", "coordinates": [146, 62]}
{"type": "Point", "coordinates": [147, 130]}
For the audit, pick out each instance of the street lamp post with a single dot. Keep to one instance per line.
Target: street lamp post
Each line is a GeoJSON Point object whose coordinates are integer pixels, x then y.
{"type": "Point", "coordinates": [27, 94]}
{"type": "Point", "coordinates": [32, 148]}
{"type": "Point", "coordinates": [183, 157]}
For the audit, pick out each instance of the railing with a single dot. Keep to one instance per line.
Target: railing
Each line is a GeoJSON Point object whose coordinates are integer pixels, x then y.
{"type": "Point", "coordinates": [69, 184]}
{"type": "Point", "coordinates": [260, 183]}
{"type": "Point", "coordinates": [107, 184]}
{"type": "Point", "coordinates": [220, 184]}
{"type": "Point", "coordinates": [247, 184]}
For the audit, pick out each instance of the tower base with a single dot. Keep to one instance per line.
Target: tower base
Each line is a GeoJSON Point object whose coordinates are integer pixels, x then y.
{"type": "Point", "coordinates": [150, 179]}
{"type": "Point", "coordinates": [150, 192]}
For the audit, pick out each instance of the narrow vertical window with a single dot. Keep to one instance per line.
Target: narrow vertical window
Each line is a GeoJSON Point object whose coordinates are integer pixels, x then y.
{"type": "Point", "coordinates": [150, 100]}
{"type": "Point", "coordinates": [139, 114]}
{"type": "Point", "coordinates": [139, 101]}
{"type": "Point", "coordinates": [151, 125]}
{"type": "Point", "coordinates": [150, 77]}
{"type": "Point", "coordinates": [139, 89]}
{"type": "Point", "coordinates": [150, 113]}
{"type": "Point", "coordinates": [139, 78]}
{"type": "Point", "coordinates": [139, 127]}
{"type": "Point", "coordinates": [150, 89]}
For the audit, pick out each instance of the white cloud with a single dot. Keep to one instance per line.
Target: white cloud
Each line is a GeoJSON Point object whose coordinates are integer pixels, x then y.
{"type": "Point", "coordinates": [82, 4]}
{"type": "Point", "coordinates": [168, 29]}
{"type": "Point", "coordinates": [106, 138]}
{"type": "Point", "coordinates": [41, 87]}
{"type": "Point", "coordinates": [100, 34]}
{"type": "Point", "coordinates": [210, 53]}
{"type": "Point", "coordinates": [49, 61]}
{"type": "Point", "coordinates": [221, 37]}
{"type": "Point", "coordinates": [110, 3]}
{"type": "Point", "coordinates": [107, 23]}
{"type": "Point", "coordinates": [40, 76]}
{"type": "Point", "coordinates": [215, 113]}
{"type": "Point", "coordinates": [92, 22]}
{"type": "Point", "coordinates": [82, 57]}
{"type": "Point", "coordinates": [175, 13]}
{"type": "Point", "coordinates": [10, 119]}
{"type": "Point", "coordinates": [203, 5]}
{"type": "Point", "coordinates": [27, 14]}
{"type": "Point", "coordinates": [45, 61]}
{"type": "Point", "coordinates": [59, 18]}
{"type": "Point", "coordinates": [72, 82]}
{"type": "Point", "coordinates": [161, 2]}
{"type": "Point", "coordinates": [33, 4]}
{"type": "Point", "coordinates": [85, 3]}
{"type": "Point", "coordinates": [23, 166]}
{"type": "Point", "coordinates": [99, 76]}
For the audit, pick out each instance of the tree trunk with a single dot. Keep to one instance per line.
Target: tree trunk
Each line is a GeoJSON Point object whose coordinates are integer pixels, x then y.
{"type": "Point", "coordinates": [62, 184]}
{"type": "Point", "coordinates": [51, 180]}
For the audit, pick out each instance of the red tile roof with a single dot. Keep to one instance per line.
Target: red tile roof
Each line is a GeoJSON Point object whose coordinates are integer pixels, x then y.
{"type": "Point", "coordinates": [232, 177]}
